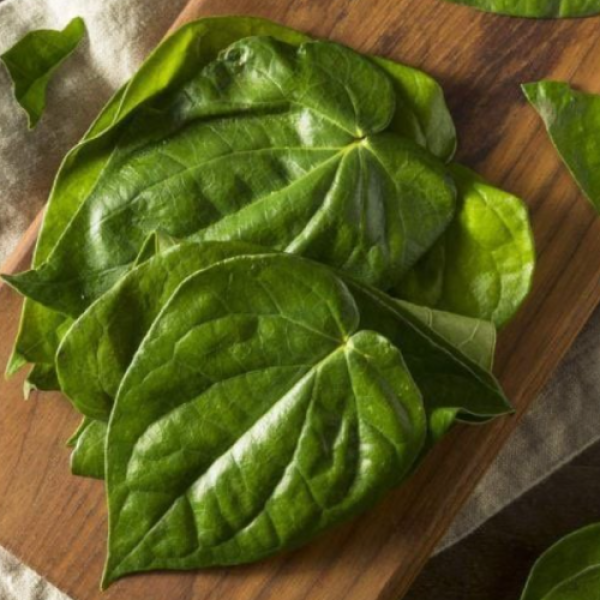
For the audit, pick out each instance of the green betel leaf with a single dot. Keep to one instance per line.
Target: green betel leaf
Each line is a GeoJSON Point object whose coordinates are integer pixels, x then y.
{"type": "Point", "coordinates": [421, 114]}
{"type": "Point", "coordinates": [33, 60]}
{"type": "Point", "coordinates": [271, 144]}
{"type": "Point", "coordinates": [541, 9]}
{"type": "Point", "coordinates": [290, 417]}
{"type": "Point", "coordinates": [482, 266]}
{"type": "Point", "coordinates": [573, 122]}
{"type": "Point", "coordinates": [569, 570]}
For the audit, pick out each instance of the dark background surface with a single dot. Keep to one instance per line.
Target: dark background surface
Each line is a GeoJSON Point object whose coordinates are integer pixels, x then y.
{"type": "Point", "coordinates": [493, 563]}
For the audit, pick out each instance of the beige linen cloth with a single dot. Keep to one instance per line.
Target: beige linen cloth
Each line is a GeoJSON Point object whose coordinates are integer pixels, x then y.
{"type": "Point", "coordinates": [120, 34]}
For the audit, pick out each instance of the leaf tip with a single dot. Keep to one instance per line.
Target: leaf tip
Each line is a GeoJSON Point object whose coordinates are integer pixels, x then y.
{"type": "Point", "coordinates": [15, 363]}
{"type": "Point", "coordinates": [529, 90]}
{"type": "Point", "coordinates": [24, 282]}
{"type": "Point", "coordinates": [110, 574]}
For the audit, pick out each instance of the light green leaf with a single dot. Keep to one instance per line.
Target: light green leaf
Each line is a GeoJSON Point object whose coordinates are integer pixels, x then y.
{"type": "Point", "coordinates": [72, 441]}
{"type": "Point", "coordinates": [573, 122]}
{"type": "Point", "coordinates": [423, 115]}
{"type": "Point", "coordinates": [542, 9]}
{"type": "Point", "coordinates": [34, 59]}
{"type": "Point", "coordinates": [569, 570]}
{"type": "Point", "coordinates": [41, 377]}
{"type": "Point", "coordinates": [483, 264]}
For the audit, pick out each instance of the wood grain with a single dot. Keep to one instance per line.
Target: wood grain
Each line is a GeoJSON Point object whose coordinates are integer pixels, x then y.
{"type": "Point", "coordinates": [57, 523]}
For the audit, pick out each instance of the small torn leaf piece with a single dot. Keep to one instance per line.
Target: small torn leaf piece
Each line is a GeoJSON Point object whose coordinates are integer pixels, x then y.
{"type": "Point", "coordinates": [569, 570]}
{"type": "Point", "coordinates": [41, 377]}
{"type": "Point", "coordinates": [482, 265]}
{"type": "Point", "coordinates": [538, 9]}
{"type": "Point", "coordinates": [33, 60]}
{"type": "Point", "coordinates": [572, 120]}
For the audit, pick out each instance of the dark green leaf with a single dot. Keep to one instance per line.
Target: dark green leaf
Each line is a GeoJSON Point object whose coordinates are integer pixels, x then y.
{"type": "Point", "coordinates": [542, 9]}
{"type": "Point", "coordinates": [573, 122]}
{"type": "Point", "coordinates": [33, 60]}
{"type": "Point", "coordinates": [290, 417]}
{"type": "Point", "coordinates": [482, 266]}
{"type": "Point", "coordinates": [274, 356]}
{"type": "Point", "coordinates": [569, 570]}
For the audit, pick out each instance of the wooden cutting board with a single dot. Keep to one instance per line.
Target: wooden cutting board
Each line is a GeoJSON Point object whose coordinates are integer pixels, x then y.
{"type": "Point", "coordinates": [57, 523]}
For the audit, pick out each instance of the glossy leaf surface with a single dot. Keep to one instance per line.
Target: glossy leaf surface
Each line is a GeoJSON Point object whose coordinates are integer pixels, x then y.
{"type": "Point", "coordinates": [572, 119]}
{"type": "Point", "coordinates": [33, 60]}
{"type": "Point", "coordinates": [541, 9]}
{"type": "Point", "coordinates": [482, 266]}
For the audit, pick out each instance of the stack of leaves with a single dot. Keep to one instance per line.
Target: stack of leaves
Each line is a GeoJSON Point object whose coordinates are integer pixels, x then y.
{"type": "Point", "coordinates": [208, 290]}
